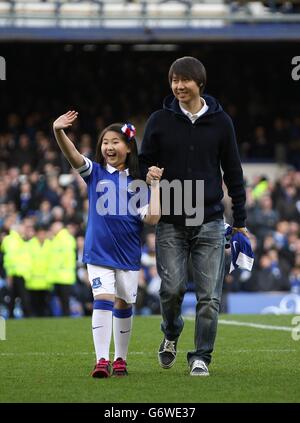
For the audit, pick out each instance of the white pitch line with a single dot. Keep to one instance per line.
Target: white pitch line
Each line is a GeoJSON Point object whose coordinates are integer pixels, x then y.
{"type": "Point", "coordinates": [62, 354]}
{"type": "Point", "coordinates": [246, 324]}
{"type": "Point", "coordinates": [255, 325]}
{"type": "Point", "coordinates": [264, 350]}
{"type": "Point", "coordinates": [251, 325]}
{"type": "Point", "coordinates": [149, 353]}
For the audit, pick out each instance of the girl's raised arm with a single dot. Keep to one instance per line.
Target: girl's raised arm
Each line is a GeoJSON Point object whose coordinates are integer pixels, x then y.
{"type": "Point", "coordinates": [67, 147]}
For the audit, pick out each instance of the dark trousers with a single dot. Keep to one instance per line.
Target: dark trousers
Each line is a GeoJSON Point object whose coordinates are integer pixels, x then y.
{"type": "Point", "coordinates": [39, 301]}
{"type": "Point", "coordinates": [205, 245]}
{"type": "Point", "coordinates": [63, 292]}
{"type": "Point", "coordinates": [18, 290]}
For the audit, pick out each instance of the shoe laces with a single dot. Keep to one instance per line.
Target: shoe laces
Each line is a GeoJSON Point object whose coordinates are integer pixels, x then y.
{"type": "Point", "coordinates": [200, 364]}
{"type": "Point", "coordinates": [119, 364]}
{"type": "Point", "coordinates": [103, 363]}
{"type": "Point", "coordinates": [169, 346]}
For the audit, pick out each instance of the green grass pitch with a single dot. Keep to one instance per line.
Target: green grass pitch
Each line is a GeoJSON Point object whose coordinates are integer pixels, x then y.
{"type": "Point", "coordinates": [50, 360]}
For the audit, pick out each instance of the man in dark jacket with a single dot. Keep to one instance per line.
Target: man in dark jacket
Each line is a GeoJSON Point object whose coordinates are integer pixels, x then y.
{"type": "Point", "coordinates": [192, 138]}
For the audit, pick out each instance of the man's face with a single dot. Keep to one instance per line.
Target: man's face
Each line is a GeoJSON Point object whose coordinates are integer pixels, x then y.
{"type": "Point", "coordinates": [184, 89]}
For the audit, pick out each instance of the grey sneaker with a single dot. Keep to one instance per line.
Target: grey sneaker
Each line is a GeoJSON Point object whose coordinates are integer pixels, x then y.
{"type": "Point", "coordinates": [199, 368]}
{"type": "Point", "coordinates": [167, 353]}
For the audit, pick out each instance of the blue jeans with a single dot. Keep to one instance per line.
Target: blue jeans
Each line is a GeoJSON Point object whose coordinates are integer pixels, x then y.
{"type": "Point", "coordinates": [174, 246]}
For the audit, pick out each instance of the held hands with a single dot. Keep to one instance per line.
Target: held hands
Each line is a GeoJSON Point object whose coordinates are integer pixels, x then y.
{"type": "Point", "coordinates": [154, 174]}
{"type": "Point", "coordinates": [65, 121]}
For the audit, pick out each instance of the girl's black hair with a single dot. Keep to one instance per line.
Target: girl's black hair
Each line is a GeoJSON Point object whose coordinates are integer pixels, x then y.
{"type": "Point", "coordinates": [132, 161]}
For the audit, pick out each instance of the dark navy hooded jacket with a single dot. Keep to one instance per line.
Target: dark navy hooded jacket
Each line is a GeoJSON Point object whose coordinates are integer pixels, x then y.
{"type": "Point", "coordinates": [196, 151]}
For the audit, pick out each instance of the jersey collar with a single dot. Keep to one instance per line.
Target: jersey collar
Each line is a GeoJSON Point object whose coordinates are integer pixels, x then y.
{"type": "Point", "coordinates": [112, 169]}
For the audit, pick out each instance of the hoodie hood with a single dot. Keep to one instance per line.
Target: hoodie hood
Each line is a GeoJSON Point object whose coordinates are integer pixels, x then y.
{"type": "Point", "coordinates": [172, 104]}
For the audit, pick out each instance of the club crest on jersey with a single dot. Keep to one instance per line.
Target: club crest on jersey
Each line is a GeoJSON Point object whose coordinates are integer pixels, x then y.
{"type": "Point", "coordinates": [96, 283]}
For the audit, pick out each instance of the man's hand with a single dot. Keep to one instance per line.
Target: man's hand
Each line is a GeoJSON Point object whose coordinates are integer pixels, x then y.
{"type": "Point", "coordinates": [154, 173]}
{"type": "Point", "coordinates": [65, 121]}
{"type": "Point", "coordinates": [244, 231]}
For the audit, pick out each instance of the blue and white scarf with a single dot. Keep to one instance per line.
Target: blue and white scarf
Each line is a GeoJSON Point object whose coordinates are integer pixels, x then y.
{"type": "Point", "coordinates": [242, 256]}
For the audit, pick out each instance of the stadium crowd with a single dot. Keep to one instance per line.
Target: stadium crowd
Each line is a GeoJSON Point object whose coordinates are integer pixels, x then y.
{"type": "Point", "coordinates": [43, 214]}
{"type": "Point", "coordinates": [43, 201]}
{"type": "Point", "coordinates": [267, 129]}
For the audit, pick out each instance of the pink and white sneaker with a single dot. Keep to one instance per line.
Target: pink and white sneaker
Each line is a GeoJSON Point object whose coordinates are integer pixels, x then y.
{"type": "Point", "coordinates": [119, 367]}
{"type": "Point", "coordinates": [102, 368]}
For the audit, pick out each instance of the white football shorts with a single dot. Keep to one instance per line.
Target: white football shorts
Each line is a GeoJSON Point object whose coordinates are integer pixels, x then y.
{"type": "Point", "coordinates": [121, 283]}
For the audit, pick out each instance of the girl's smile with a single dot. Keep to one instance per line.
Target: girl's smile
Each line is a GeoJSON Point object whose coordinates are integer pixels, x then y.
{"type": "Point", "coordinates": [114, 150]}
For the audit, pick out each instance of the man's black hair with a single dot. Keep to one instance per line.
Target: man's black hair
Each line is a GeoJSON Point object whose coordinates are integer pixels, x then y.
{"type": "Point", "coordinates": [191, 68]}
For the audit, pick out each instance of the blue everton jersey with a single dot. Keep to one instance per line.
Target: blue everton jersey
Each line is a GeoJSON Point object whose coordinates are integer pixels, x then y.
{"type": "Point", "coordinates": [113, 234]}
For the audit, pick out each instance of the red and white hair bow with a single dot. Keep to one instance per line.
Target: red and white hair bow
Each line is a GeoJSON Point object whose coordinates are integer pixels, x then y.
{"type": "Point", "coordinates": [129, 130]}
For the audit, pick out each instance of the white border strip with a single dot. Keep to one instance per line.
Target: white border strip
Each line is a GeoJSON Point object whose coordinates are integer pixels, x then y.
{"type": "Point", "coordinates": [255, 325]}
{"type": "Point", "coordinates": [250, 325]}
{"type": "Point", "coordinates": [237, 323]}
{"type": "Point", "coordinates": [143, 353]}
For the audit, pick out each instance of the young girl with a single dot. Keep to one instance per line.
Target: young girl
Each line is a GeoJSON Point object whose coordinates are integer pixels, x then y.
{"type": "Point", "coordinates": [112, 248]}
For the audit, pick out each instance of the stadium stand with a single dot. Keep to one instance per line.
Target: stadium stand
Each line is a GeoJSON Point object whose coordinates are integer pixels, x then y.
{"type": "Point", "coordinates": [145, 11]}
{"type": "Point", "coordinates": [147, 20]}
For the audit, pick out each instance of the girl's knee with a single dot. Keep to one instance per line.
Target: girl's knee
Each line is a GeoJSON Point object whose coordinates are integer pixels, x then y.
{"type": "Point", "coordinates": [121, 304]}
{"type": "Point", "coordinates": [104, 297]}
